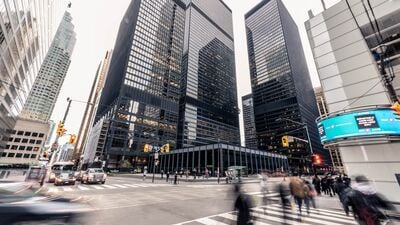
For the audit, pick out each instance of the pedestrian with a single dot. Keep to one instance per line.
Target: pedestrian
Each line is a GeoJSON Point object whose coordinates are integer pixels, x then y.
{"type": "Point", "coordinates": [194, 173]}
{"type": "Point", "coordinates": [264, 190]}
{"type": "Point", "coordinates": [298, 189]}
{"type": "Point", "coordinates": [330, 186]}
{"type": "Point", "coordinates": [167, 177]}
{"type": "Point", "coordinates": [324, 181]}
{"type": "Point", "coordinates": [317, 184]}
{"type": "Point", "coordinates": [162, 174]}
{"type": "Point", "coordinates": [242, 205]}
{"type": "Point", "coordinates": [144, 175]}
{"type": "Point", "coordinates": [366, 203]}
{"type": "Point", "coordinates": [176, 178]}
{"type": "Point", "coordinates": [311, 194]}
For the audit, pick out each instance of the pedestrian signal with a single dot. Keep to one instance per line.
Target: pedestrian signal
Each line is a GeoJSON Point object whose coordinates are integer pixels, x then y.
{"type": "Point", "coordinates": [60, 129]}
{"type": "Point", "coordinates": [396, 110]}
{"type": "Point", "coordinates": [285, 141]}
{"type": "Point", "coordinates": [72, 139]}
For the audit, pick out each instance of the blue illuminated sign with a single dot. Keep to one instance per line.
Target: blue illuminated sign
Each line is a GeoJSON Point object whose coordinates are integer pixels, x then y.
{"type": "Point", "coordinates": [356, 124]}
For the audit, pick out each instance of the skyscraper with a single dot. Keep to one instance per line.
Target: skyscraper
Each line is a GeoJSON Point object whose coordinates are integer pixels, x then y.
{"type": "Point", "coordinates": [140, 98]}
{"type": "Point", "coordinates": [284, 100]}
{"type": "Point", "coordinates": [91, 107]}
{"type": "Point", "coordinates": [26, 32]}
{"type": "Point", "coordinates": [208, 105]}
{"type": "Point", "coordinates": [43, 96]}
{"type": "Point", "coordinates": [249, 125]}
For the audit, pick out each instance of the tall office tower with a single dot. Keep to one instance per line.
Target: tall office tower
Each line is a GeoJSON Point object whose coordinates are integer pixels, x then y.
{"type": "Point", "coordinates": [140, 97]}
{"type": "Point", "coordinates": [26, 32]}
{"type": "Point", "coordinates": [208, 104]}
{"type": "Point", "coordinates": [250, 136]}
{"type": "Point", "coordinates": [93, 100]}
{"type": "Point", "coordinates": [336, 158]}
{"type": "Point", "coordinates": [344, 41]}
{"type": "Point", "coordinates": [43, 96]}
{"type": "Point", "coordinates": [284, 100]}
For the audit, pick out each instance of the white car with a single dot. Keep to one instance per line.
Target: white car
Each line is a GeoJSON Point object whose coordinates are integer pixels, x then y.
{"type": "Point", "coordinates": [94, 175]}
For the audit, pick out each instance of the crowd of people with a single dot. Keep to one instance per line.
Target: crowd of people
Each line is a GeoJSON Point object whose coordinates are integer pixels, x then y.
{"type": "Point", "coordinates": [357, 197]}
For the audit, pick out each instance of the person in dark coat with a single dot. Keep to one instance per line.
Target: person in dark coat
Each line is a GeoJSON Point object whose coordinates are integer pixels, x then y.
{"type": "Point", "coordinates": [365, 203]}
{"type": "Point", "coordinates": [167, 176]}
{"type": "Point", "coordinates": [242, 205]}
{"type": "Point", "coordinates": [317, 184]}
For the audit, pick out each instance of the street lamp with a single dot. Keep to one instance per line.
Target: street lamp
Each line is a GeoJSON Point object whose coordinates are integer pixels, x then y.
{"type": "Point", "coordinates": [304, 125]}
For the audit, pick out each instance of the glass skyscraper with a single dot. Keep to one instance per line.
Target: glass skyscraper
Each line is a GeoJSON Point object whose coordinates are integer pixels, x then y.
{"type": "Point", "coordinates": [281, 84]}
{"type": "Point", "coordinates": [43, 96]}
{"type": "Point", "coordinates": [26, 31]}
{"type": "Point", "coordinates": [208, 104]}
{"type": "Point", "coordinates": [249, 125]}
{"type": "Point", "coordinates": [140, 98]}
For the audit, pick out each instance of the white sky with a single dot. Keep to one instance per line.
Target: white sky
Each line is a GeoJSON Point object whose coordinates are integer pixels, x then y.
{"type": "Point", "coordinates": [96, 24]}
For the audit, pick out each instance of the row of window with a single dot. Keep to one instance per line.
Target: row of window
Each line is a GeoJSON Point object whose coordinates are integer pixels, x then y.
{"type": "Point", "coordinates": [27, 133]}
{"type": "Point", "coordinates": [25, 140]}
{"type": "Point", "coordinates": [18, 155]}
{"type": "Point", "coordinates": [22, 148]}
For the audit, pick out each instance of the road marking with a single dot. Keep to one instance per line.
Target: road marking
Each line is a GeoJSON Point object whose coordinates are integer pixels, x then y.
{"type": "Point", "coordinates": [80, 187]}
{"type": "Point", "coordinates": [97, 187]}
{"type": "Point", "coordinates": [210, 221]}
{"type": "Point", "coordinates": [131, 185]}
{"type": "Point", "coordinates": [108, 186]}
{"type": "Point", "coordinates": [68, 189]}
{"type": "Point", "coordinates": [120, 186]}
{"type": "Point", "coordinates": [53, 189]}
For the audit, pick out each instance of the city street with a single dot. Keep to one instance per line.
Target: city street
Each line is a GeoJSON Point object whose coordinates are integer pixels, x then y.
{"type": "Point", "coordinates": [127, 200]}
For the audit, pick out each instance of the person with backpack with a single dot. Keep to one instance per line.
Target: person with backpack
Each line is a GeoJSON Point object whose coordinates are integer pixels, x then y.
{"type": "Point", "coordinates": [365, 203]}
{"type": "Point", "coordinates": [242, 205]}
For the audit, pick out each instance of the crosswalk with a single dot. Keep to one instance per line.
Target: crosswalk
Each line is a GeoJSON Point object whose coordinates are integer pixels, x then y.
{"type": "Point", "coordinates": [92, 187]}
{"type": "Point", "coordinates": [274, 214]}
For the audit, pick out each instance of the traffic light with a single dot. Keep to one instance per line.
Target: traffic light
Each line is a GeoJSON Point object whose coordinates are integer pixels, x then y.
{"type": "Point", "coordinates": [72, 139]}
{"type": "Point", "coordinates": [146, 148]}
{"type": "Point", "coordinates": [316, 159]}
{"type": "Point", "coordinates": [60, 129]}
{"type": "Point", "coordinates": [166, 148]}
{"type": "Point", "coordinates": [285, 141]}
{"type": "Point", "coordinates": [396, 110]}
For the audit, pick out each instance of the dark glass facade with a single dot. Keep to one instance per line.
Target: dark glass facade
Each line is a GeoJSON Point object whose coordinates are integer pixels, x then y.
{"type": "Point", "coordinates": [250, 136]}
{"type": "Point", "coordinates": [141, 94]}
{"type": "Point", "coordinates": [281, 85]}
{"type": "Point", "coordinates": [208, 104]}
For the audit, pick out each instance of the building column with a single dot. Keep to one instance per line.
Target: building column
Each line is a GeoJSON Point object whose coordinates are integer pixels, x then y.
{"type": "Point", "coordinates": [213, 162]}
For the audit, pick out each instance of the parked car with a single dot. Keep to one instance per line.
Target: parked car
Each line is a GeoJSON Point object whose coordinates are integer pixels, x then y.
{"type": "Point", "coordinates": [94, 175]}
{"type": "Point", "coordinates": [22, 203]}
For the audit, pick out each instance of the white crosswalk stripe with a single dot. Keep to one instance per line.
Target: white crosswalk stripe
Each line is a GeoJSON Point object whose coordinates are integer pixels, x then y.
{"type": "Point", "coordinates": [273, 214]}
{"type": "Point", "coordinates": [86, 187]}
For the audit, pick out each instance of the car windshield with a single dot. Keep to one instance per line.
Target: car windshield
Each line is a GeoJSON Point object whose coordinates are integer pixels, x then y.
{"type": "Point", "coordinates": [96, 171]}
{"type": "Point", "coordinates": [63, 167]}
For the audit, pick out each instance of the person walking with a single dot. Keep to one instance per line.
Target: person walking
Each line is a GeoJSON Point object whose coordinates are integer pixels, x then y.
{"type": "Point", "coordinates": [366, 203]}
{"type": "Point", "coordinates": [176, 178]}
{"type": "Point", "coordinates": [298, 189]}
{"type": "Point", "coordinates": [167, 177]}
{"type": "Point", "coordinates": [311, 194]}
{"type": "Point", "coordinates": [162, 174]}
{"type": "Point", "coordinates": [242, 206]}
{"type": "Point", "coordinates": [264, 190]}
{"type": "Point", "coordinates": [317, 184]}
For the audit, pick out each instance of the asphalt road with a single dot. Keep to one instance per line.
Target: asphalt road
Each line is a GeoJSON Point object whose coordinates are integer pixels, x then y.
{"type": "Point", "coordinates": [129, 201]}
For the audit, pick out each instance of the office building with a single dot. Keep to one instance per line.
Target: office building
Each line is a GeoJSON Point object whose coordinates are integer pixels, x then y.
{"type": "Point", "coordinates": [25, 145]}
{"type": "Point", "coordinates": [343, 39]}
{"type": "Point", "coordinates": [91, 107]}
{"type": "Point", "coordinates": [26, 32]}
{"type": "Point", "coordinates": [44, 93]}
{"type": "Point", "coordinates": [283, 96]}
{"type": "Point", "coordinates": [140, 98]}
{"type": "Point", "coordinates": [333, 150]}
{"type": "Point", "coordinates": [208, 104]}
{"type": "Point", "coordinates": [249, 125]}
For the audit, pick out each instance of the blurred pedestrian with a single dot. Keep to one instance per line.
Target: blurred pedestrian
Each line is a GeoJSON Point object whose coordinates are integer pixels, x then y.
{"type": "Point", "coordinates": [324, 188]}
{"type": "Point", "coordinates": [311, 194]}
{"type": "Point", "coordinates": [317, 184]}
{"type": "Point", "coordinates": [167, 177]}
{"type": "Point", "coordinates": [264, 190]}
{"type": "Point", "coordinates": [242, 205]}
{"type": "Point", "coordinates": [176, 177]}
{"type": "Point", "coordinates": [162, 174]}
{"type": "Point", "coordinates": [284, 193]}
{"type": "Point", "coordinates": [298, 189]}
{"type": "Point", "coordinates": [366, 203]}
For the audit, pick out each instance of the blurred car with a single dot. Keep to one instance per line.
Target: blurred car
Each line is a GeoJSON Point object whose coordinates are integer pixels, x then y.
{"type": "Point", "coordinates": [94, 175]}
{"type": "Point", "coordinates": [22, 203]}
{"type": "Point", "coordinates": [78, 175]}
{"type": "Point", "coordinates": [58, 168]}
{"type": "Point", "coordinates": [64, 178]}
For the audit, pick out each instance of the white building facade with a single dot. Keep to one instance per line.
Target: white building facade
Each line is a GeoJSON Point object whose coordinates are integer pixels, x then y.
{"type": "Point", "coordinates": [340, 38]}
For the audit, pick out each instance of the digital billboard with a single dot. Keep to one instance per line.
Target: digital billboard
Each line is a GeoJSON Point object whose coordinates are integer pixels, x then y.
{"type": "Point", "coordinates": [357, 124]}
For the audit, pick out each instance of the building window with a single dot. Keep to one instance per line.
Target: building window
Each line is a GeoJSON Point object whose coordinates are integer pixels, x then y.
{"type": "Point", "coordinates": [34, 134]}
{"type": "Point", "coordinates": [26, 156]}
{"type": "Point", "coordinates": [27, 133]}
{"type": "Point", "coordinates": [19, 155]}
{"type": "Point", "coordinates": [13, 132]}
{"type": "Point", "coordinates": [17, 140]}
{"type": "Point", "coordinates": [21, 147]}
{"type": "Point", "coordinates": [33, 156]}
{"type": "Point", "coordinates": [11, 155]}
{"type": "Point", "coordinates": [29, 148]}
{"type": "Point", "coordinates": [24, 140]}
{"type": "Point", "coordinates": [39, 142]}
{"type": "Point", "coordinates": [36, 149]}
{"type": "Point", "coordinates": [41, 135]}
{"type": "Point", "coordinates": [32, 141]}
{"type": "Point", "coordinates": [14, 147]}
{"type": "Point", "coordinates": [7, 146]}
{"type": "Point", "coordinates": [4, 154]}
{"type": "Point", "coordinates": [20, 132]}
